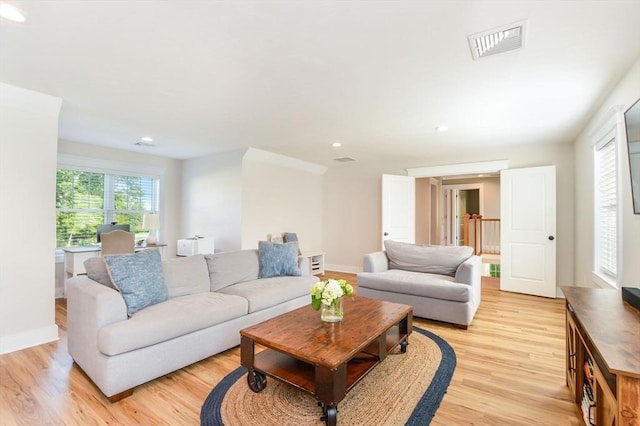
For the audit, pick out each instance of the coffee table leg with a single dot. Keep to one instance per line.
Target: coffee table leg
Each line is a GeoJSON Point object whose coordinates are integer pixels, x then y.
{"type": "Point", "coordinates": [256, 380]}
{"type": "Point", "coordinates": [403, 345]}
{"type": "Point", "coordinates": [405, 325]}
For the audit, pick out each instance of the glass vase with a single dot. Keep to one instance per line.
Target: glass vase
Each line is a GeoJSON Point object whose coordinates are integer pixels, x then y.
{"type": "Point", "coordinates": [333, 312]}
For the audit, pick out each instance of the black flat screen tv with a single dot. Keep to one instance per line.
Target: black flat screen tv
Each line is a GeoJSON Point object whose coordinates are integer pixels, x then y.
{"type": "Point", "coordinates": [632, 125]}
{"type": "Point", "coordinates": [108, 228]}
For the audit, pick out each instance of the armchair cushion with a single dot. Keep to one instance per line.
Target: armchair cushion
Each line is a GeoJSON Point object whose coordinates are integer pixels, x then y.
{"type": "Point", "coordinates": [417, 284]}
{"type": "Point", "coordinates": [442, 260]}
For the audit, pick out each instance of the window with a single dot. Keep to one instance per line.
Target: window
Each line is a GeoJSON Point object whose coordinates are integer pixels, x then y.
{"type": "Point", "coordinates": [606, 201]}
{"type": "Point", "coordinates": [607, 210]}
{"type": "Point", "coordinates": [86, 199]}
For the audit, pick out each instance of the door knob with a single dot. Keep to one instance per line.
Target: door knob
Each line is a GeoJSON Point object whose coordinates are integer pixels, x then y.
{"type": "Point", "coordinates": [386, 234]}
{"type": "Point", "coordinates": [550, 237]}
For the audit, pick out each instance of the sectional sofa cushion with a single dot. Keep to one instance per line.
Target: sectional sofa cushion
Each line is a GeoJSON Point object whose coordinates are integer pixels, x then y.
{"type": "Point", "coordinates": [186, 275]}
{"type": "Point", "coordinates": [97, 270]}
{"type": "Point", "coordinates": [442, 260]}
{"type": "Point", "coordinates": [267, 292]}
{"type": "Point", "coordinates": [165, 321]}
{"type": "Point", "coordinates": [232, 267]}
{"type": "Point", "coordinates": [139, 278]}
{"type": "Point", "coordinates": [278, 260]}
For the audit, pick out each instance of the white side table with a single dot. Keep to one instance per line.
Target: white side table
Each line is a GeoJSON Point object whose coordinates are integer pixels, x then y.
{"type": "Point", "coordinates": [316, 262]}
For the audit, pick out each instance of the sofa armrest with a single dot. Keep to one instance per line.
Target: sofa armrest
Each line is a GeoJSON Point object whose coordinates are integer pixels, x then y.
{"type": "Point", "coordinates": [375, 262]}
{"type": "Point", "coordinates": [90, 306]}
{"type": "Point", "coordinates": [469, 271]}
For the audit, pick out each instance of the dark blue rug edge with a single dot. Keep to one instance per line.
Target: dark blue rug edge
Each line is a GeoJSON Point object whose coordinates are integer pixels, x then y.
{"type": "Point", "coordinates": [422, 414]}
{"type": "Point", "coordinates": [430, 401]}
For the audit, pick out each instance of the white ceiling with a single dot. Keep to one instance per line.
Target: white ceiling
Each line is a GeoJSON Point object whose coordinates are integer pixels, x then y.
{"type": "Point", "coordinates": [292, 77]}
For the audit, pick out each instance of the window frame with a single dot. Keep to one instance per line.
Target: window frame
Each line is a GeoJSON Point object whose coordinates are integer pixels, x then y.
{"type": "Point", "coordinates": [110, 167]}
{"type": "Point", "coordinates": [610, 131]}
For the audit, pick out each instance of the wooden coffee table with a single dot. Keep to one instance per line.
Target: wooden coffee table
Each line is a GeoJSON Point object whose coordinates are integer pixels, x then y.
{"type": "Point", "coordinates": [325, 359]}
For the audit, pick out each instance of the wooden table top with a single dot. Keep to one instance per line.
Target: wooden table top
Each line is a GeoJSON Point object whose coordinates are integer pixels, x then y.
{"type": "Point", "coordinates": [612, 325]}
{"type": "Point", "coordinates": [302, 334]}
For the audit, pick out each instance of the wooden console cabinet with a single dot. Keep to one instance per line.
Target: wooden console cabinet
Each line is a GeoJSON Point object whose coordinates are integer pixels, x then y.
{"type": "Point", "coordinates": [603, 354]}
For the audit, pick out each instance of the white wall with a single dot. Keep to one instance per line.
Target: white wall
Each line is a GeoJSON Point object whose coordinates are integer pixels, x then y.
{"type": "Point", "coordinates": [240, 196]}
{"type": "Point", "coordinates": [212, 199]}
{"type": "Point", "coordinates": [355, 229]}
{"type": "Point", "coordinates": [625, 94]}
{"type": "Point", "coordinates": [281, 194]}
{"type": "Point", "coordinates": [28, 140]}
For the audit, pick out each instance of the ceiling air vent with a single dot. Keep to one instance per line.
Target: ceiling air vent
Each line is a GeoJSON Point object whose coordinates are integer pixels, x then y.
{"type": "Point", "coordinates": [497, 40]}
{"type": "Point", "coordinates": [344, 159]}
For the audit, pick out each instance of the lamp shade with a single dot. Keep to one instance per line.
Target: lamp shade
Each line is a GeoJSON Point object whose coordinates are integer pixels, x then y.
{"type": "Point", "coordinates": [151, 221]}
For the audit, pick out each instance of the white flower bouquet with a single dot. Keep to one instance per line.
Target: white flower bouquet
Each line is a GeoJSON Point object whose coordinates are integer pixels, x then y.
{"type": "Point", "coordinates": [328, 292]}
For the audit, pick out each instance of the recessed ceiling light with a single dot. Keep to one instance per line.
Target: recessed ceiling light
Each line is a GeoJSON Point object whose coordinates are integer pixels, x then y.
{"type": "Point", "coordinates": [145, 141]}
{"type": "Point", "coordinates": [12, 13]}
{"type": "Point", "coordinates": [336, 144]}
{"type": "Point", "coordinates": [442, 128]}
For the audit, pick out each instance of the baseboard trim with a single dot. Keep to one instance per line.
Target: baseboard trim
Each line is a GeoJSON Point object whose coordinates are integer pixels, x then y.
{"type": "Point", "coordinates": [27, 339]}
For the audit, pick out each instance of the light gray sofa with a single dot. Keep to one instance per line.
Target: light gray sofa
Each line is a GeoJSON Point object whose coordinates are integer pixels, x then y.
{"type": "Point", "coordinates": [442, 283]}
{"type": "Point", "coordinates": [210, 299]}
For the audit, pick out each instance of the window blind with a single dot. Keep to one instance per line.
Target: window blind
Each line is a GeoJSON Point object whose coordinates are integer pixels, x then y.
{"type": "Point", "coordinates": [86, 199]}
{"type": "Point", "coordinates": [607, 209]}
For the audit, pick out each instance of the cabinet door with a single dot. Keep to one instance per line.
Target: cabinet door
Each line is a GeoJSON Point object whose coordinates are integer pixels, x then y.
{"type": "Point", "coordinates": [575, 360]}
{"type": "Point", "coordinates": [605, 401]}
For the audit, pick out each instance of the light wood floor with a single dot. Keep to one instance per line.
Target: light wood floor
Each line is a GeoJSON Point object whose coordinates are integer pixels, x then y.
{"type": "Point", "coordinates": [510, 371]}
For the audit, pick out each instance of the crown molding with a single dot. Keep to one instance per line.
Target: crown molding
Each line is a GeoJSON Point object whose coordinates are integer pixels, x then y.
{"type": "Point", "coordinates": [459, 169]}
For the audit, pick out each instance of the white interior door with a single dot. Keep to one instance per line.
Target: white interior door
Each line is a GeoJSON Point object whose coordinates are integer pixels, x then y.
{"type": "Point", "coordinates": [528, 228]}
{"type": "Point", "coordinates": [398, 208]}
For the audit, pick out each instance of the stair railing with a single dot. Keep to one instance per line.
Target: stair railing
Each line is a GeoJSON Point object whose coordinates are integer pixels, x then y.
{"type": "Point", "coordinates": [483, 235]}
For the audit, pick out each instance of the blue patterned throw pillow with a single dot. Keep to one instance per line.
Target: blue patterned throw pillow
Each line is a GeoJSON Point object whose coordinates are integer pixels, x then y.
{"type": "Point", "coordinates": [139, 278]}
{"type": "Point", "coordinates": [278, 260]}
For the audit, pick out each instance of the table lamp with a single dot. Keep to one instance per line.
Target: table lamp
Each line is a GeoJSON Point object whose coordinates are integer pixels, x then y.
{"type": "Point", "coordinates": [151, 222]}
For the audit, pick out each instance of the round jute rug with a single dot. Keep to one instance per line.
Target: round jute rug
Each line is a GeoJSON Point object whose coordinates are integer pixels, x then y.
{"type": "Point", "coordinates": [403, 389]}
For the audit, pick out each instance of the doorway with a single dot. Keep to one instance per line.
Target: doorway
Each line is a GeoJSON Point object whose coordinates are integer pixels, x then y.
{"type": "Point", "coordinates": [458, 200]}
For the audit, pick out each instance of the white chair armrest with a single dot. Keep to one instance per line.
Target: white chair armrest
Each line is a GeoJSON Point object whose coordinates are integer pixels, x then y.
{"type": "Point", "coordinates": [375, 262]}
{"type": "Point", "coordinates": [469, 271]}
